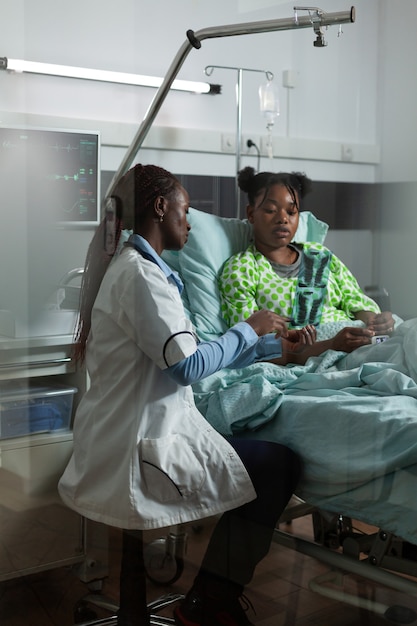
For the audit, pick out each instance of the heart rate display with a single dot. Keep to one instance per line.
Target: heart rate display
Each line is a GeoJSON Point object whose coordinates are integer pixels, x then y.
{"type": "Point", "coordinates": [59, 170]}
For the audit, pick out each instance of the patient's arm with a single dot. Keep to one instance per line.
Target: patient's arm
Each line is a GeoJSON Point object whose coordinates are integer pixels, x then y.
{"type": "Point", "coordinates": [381, 323]}
{"type": "Point", "coordinates": [296, 344]}
{"type": "Point", "coordinates": [346, 340]}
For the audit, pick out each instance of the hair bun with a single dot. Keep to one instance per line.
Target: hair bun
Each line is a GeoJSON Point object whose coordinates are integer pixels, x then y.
{"type": "Point", "coordinates": [245, 177]}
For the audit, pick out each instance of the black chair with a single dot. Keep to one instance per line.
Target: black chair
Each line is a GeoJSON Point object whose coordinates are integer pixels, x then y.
{"type": "Point", "coordinates": [133, 609]}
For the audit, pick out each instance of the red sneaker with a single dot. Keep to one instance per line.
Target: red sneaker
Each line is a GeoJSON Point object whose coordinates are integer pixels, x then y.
{"type": "Point", "coordinates": [196, 610]}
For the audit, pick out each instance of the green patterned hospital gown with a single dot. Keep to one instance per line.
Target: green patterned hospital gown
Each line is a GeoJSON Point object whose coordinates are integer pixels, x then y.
{"type": "Point", "coordinates": [248, 283]}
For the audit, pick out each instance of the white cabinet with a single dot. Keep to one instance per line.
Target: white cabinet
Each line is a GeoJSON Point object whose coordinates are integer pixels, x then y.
{"type": "Point", "coordinates": [37, 531]}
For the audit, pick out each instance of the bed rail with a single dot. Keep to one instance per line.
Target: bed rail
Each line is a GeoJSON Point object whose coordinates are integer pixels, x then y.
{"type": "Point", "coordinates": [378, 567]}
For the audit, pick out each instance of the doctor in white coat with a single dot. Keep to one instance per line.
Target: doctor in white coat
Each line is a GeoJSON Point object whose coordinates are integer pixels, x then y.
{"type": "Point", "coordinates": [144, 457]}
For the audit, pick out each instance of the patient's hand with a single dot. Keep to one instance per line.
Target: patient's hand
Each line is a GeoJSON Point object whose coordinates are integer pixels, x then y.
{"type": "Point", "coordinates": [381, 323]}
{"type": "Point", "coordinates": [346, 340]}
{"type": "Point", "coordinates": [296, 345]}
{"type": "Point", "coordinates": [350, 338]}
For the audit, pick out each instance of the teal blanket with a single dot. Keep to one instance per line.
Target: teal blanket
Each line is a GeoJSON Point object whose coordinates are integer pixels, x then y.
{"type": "Point", "coordinates": [351, 417]}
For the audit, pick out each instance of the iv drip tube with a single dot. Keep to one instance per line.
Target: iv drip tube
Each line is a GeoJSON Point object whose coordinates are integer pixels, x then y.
{"type": "Point", "coordinates": [194, 41]}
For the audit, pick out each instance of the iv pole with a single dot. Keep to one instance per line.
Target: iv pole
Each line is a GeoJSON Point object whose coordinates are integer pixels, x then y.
{"type": "Point", "coordinates": [269, 76]}
{"type": "Point", "coordinates": [194, 40]}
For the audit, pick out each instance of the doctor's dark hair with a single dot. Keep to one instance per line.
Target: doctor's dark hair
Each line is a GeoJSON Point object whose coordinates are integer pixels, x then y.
{"type": "Point", "coordinates": [133, 202]}
{"type": "Point", "coordinates": [297, 183]}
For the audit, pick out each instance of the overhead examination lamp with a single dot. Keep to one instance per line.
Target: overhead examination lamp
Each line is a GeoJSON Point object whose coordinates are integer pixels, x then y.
{"type": "Point", "coordinates": [193, 41]}
{"type": "Point", "coordinates": [124, 78]}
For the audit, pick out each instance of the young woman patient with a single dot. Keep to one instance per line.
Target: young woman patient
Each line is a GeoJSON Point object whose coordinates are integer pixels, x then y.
{"type": "Point", "coordinates": [144, 457]}
{"type": "Point", "coordinates": [304, 283]}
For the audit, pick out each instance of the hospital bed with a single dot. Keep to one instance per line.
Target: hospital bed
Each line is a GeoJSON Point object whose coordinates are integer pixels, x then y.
{"type": "Point", "coordinates": [352, 418]}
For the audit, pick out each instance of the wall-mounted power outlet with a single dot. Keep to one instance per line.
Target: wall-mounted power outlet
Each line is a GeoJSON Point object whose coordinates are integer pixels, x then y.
{"type": "Point", "coordinates": [347, 152]}
{"type": "Point", "coordinates": [250, 144]}
{"type": "Point", "coordinates": [289, 79]}
{"type": "Point", "coordinates": [228, 143]}
{"type": "Point", "coordinates": [267, 146]}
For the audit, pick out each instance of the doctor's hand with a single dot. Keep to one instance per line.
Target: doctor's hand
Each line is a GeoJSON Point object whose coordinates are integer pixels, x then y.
{"type": "Point", "coordinates": [264, 322]}
{"type": "Point", "coordinates": [301, 337]}
{"type": "Point", "coordinates": [296, 342]}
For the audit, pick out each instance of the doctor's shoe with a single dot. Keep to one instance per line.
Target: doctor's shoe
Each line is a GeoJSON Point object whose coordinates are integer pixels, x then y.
{"type": "Point", "coordinates": [197, 610]}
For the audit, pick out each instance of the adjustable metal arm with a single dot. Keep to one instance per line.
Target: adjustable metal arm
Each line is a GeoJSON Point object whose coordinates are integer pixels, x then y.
{"type": "Point", "coordinates": [194, 40]}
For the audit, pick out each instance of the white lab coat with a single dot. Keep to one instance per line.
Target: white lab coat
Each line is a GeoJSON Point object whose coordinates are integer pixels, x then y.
{"type": "Point", "coordinates": [144, 457]}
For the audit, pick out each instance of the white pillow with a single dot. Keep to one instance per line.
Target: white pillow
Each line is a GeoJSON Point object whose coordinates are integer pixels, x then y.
{"type": "Point", "coordinates": [211, 241]}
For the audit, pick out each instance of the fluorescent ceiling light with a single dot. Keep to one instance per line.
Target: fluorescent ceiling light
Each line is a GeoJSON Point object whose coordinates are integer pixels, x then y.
{"type": "Point", "coordinates": [33, 67]}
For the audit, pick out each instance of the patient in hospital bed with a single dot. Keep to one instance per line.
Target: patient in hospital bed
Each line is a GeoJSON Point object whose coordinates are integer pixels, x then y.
{"type": "Point", "coordinates": [303, 282]}
{"type": "Point", "coordinates": [351, 416]}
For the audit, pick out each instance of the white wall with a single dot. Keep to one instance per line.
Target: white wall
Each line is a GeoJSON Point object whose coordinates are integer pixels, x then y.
{"type": "Point", "coordinates": [397, 90]}
{"type": "Point", "coordinates": [357, 93]}
{"type": "Point", "coordinates": [333, 103]}
{"type": "Point", "coordinates": [355, 249]}
{"type": "Point", "coordinates": [395, 240]}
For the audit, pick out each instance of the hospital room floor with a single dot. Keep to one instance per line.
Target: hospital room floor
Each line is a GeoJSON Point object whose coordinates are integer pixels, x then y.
{"type": "Point", "coordinates": [279, 591]}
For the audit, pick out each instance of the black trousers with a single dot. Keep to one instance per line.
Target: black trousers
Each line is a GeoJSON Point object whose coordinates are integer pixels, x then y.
{"type": "Point", "coordinates": [242, 536]}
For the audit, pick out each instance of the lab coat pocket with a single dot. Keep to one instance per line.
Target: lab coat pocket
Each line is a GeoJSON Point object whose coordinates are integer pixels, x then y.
{"type": "Point", "coordinates": [170, 468]}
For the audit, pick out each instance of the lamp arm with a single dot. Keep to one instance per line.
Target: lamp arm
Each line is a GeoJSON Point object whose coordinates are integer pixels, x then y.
{"type": "Point", "coordinates": [150, 114]}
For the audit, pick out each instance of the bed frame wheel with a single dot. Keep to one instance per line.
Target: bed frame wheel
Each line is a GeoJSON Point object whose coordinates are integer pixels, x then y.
{"type": "Point", "coordinates": [83, 613]}
{"type": "Point", "coordinates": [331, 532]}
{"type": "Point", "coordinates": [400, 614]}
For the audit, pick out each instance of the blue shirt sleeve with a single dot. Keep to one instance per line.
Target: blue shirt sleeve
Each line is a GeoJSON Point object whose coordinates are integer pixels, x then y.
{"type": "Point", "coordinates": [238, 347]}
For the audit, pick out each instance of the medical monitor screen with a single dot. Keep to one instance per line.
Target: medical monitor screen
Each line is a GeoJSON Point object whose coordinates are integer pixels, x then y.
{"type": "Point", "coordinates": [57, 169]}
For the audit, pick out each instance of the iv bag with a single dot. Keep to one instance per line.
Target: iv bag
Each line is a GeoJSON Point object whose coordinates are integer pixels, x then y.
{"type": "Point", "coordinates": [269, 102]}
